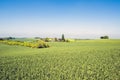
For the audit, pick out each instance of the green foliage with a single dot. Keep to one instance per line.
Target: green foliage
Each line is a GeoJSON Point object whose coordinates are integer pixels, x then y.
{"type": "Point", "coordinates": [79, 60]}
{"type": "Point", "coordinates": [70, 40]}
{"type": "Point", "coordinates": [48, 39]}
{"type": "Point", "coordinates": [41, 44]}
{"type": "Point", "coordinates": [37, 44]}
{"type": "Point", "coordinates": [55, 39]}
{"type": "Point", "coordinates": [63, 38]}
{"type": "Point", "coordinates": [104, 37]}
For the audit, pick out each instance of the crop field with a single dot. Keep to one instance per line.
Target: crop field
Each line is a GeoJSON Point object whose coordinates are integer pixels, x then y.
{"type": "Point", "coordinates": [79, 60]}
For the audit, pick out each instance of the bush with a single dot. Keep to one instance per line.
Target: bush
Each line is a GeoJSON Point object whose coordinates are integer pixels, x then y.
{"type": "Point", "coordinates": [37, 44]}
{"type": "Point", "coordinates": [70, 40]}
{"type": "Point", "coordinates": [48, 39]}
{"type": "Point", "coordinates": [41, 44]}
{"type": "Point", "coordinates": [55, 39]}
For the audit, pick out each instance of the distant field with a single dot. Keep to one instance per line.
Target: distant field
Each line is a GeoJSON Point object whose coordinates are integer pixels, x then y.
{"type": "Point", "coordinates": [79, 60]}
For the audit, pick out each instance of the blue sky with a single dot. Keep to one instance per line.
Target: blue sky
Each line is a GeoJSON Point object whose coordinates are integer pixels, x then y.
{"type": "Point", "coordinates": [51, 18]}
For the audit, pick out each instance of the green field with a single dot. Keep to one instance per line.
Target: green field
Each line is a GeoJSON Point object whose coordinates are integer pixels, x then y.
{"type": "Point", "coordinates": [79, 60]}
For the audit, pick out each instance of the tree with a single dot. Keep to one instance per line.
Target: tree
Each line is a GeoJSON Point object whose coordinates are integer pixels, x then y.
{"type": "Point", "coordinates": [56, 39]}
{"type": "Point", "coordinates": [104, 37]}
{"type": "Point", "coordinates": [63, 38]}
{"type": "Point", "coordinates": [1, 39]}
{"type": "Point", "coordinates": [101, 37]}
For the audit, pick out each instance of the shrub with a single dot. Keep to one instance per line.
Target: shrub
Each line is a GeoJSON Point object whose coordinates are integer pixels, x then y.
{"type": "Point", "coordinates": [37, 44]}
{"type": "Point", "coordinates": [48, 39]}
{"type": "Point", "coordinates": [41, 44]}
{"type": "Point", "coordinates": [70, 40]}
{"type": "Point", "coordinates": [55, 39]}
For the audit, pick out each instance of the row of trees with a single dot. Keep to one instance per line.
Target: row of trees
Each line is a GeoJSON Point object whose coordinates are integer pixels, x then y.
{"type": "Point", "coordinates": [7, 38]}
{"type": "Point", "coordinates": [62, 39]}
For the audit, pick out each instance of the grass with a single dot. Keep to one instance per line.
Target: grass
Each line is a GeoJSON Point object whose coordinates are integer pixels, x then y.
{"type": "Point", "coordinates": [80, 60]}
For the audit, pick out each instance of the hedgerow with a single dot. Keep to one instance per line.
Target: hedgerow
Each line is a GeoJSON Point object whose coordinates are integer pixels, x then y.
{"type": "Point", "coordinates": [36, 44]}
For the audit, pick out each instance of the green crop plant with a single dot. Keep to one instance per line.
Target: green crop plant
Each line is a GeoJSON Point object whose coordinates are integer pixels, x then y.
{"type": "Point", "coordinates": [79, 60]}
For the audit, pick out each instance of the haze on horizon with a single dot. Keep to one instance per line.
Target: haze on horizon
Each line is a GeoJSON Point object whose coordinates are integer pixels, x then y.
{"type": "Point", "coordinates": [51, 18]}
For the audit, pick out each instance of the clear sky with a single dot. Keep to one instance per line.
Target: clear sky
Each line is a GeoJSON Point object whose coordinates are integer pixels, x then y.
{"type": "Point", "coordinates": [51, 18]}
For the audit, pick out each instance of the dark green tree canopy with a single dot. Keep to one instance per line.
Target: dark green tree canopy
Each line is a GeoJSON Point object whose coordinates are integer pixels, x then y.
{"type": "Point", "coordinates": [104, 37]}
{"type": "Point", "coordinates": [63, 38]}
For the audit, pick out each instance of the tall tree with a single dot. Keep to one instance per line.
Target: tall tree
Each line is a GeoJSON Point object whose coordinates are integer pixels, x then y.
{"type": "Point", "coordinates": [63, 38]}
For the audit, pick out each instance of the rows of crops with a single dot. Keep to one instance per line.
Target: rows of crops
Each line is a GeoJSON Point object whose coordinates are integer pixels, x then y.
{"type": "Point", "coordinates": [81, 60]}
